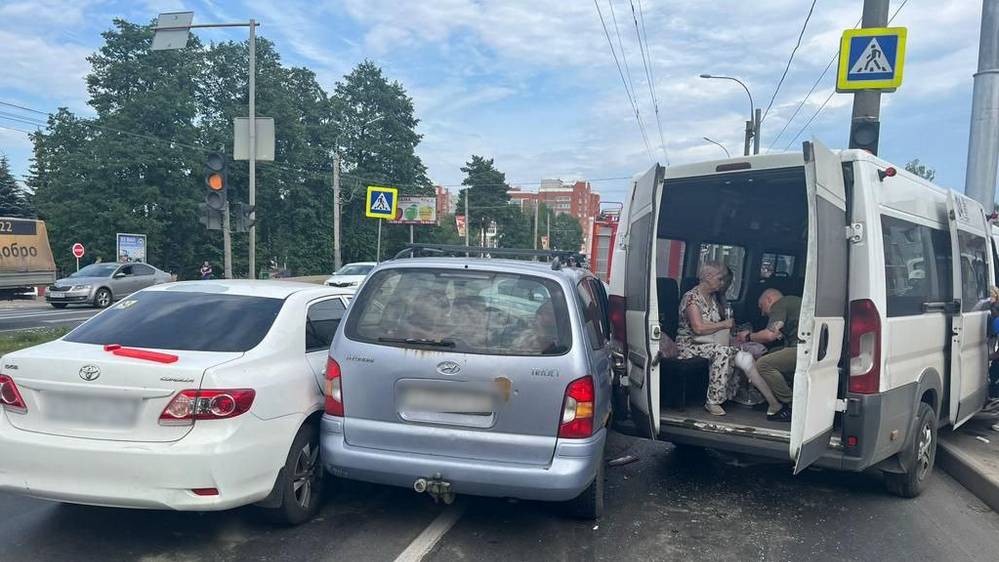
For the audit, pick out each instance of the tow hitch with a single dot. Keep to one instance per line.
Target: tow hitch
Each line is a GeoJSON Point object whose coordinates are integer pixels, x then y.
{"type": "Point", "coordinates": [436, 487]}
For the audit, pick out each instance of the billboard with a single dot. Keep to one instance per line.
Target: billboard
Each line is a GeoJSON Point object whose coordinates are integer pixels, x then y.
{"type": "Point", "coordinates": [131, 247]}
{"type": "Point", "coordinates": [416, 210]}
{"type": "Point", "coordinates": [459, 221]}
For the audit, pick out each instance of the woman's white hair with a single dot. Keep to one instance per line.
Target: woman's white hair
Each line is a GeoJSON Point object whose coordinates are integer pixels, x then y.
{"type": "Point", "coordinates": [713, 266]}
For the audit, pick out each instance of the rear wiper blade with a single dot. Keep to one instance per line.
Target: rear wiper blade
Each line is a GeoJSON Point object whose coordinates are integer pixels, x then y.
{"type": "Point", "coordinates": [419, 341]}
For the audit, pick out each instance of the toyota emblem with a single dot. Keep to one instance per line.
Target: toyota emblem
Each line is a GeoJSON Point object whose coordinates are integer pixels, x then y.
{"type": "Point", "coordinates": [90, 372]}
{"type": "Point", "coordinates": [448, 368]}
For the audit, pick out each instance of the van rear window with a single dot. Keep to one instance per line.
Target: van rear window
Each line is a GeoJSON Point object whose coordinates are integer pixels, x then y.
{"type": "Point", "coordinates": [181, 320]}
{"type": "Point", "coordinates": [463, 311]}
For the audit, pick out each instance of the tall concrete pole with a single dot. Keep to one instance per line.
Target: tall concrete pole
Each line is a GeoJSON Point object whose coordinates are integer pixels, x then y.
{"type": "Point", "coordinates": [468, 222]}
{"type": "Point", "coordinates": [757, 121]}
{"type": "Point", "coordinates": [867, 103]}
{"type": "Point", "coordinates": [253, 145]}
{"type": "Point", "coordinates": [337, 256]}
{"type": "Point", "coordinates": [983, 140]}
{"type": "Point", "coordinates": [537, 205]}
{"type": "Point", "coordinates": [226, 242]}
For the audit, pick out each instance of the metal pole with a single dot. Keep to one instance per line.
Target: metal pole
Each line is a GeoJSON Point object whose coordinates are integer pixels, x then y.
{"type": "Point", "coordinates": [468, 222]}
{"type": "Point", "coordinates": [226, 243]}
{"type": "Point", "coordinates": [253, 145]}
{"type": "Point", "coordinates": [378, 251]}
{"type": "Point", "coordinates": [749, 137]}
{"type": "Point", "coordinates": [867, 103]}
{"type": "Point", "coordinates": [78, 264]}
{"type": "Point", "coordinates": [983, 139]}
{"type": "Point", "coordinates": [756, 130]}
{"type": "Point", "coordinates": [548, 229]}
{"type": "Point", "coordinates": [537, 205]}
{"type": "Point", "coordinates": [719, 145]}
{"type": "Point", "coordinates": [411, 234]}
{"type": "Point", "coordinates": [337, 257]}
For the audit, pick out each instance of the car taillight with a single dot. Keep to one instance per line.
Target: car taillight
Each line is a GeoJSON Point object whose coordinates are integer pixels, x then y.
{"type": "Point", "coordinates": [217, 404]}
{"type": "Point", "coordinates": [577, 409]}
{"type": "Point", "coordinates": [865, 347]}
{"type": "Point", "coordinates": [10, 398]}
{"type": "Point", "coordinates": [334, 389]}
{"type": "Point", "coordinates": [618, 322]}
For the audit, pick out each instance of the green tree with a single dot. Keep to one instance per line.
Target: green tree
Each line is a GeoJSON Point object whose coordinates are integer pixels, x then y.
{"type": "Point", "coordinates": [566, 233]}
{"type": "Point", "coordinates": [921, 170]}
{"type": "Point", "coordinates": [13, 200]}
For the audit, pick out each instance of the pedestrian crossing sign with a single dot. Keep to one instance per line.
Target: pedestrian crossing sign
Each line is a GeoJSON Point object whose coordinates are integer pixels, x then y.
{"type": "Point", "coordinates": [871, 59]}
{"type": "Point", "coordinates": [381, 202]}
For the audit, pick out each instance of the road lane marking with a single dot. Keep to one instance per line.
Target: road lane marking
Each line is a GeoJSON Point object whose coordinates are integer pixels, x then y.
{"type": "Point", "coordinates": [45, 314]}
{"type": "Point", "coordinates": [64, 320]}
{"type": "Point", "coordinates": [435, 531]}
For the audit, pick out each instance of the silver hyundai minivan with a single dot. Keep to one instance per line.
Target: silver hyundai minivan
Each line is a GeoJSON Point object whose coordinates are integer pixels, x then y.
{"type": "Point", "coordinates": [473, 376]}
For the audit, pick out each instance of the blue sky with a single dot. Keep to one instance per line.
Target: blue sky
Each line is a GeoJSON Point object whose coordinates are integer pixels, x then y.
{"type": "Point", "coordinates": [532, 83]}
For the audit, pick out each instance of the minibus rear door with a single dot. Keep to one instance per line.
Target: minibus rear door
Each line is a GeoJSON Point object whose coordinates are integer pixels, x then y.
{"type": "Point", "coordinates": [972, 277]}
{"type": "Point", "coordinates": [823, 307]}
{"type": "Point", "coordinates": [641, 305]}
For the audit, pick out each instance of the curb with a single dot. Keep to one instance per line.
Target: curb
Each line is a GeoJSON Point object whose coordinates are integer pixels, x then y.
{"type": "Point", "coordinates": [963, 468]}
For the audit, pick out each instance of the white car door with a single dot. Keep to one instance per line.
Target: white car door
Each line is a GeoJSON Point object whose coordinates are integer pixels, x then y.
{"type": "Point", "coordinates": [822, 323]}
{"type": "Point", "coordinates": [322, 319]}
{"type": "Point", "coordinates": [641, 304]}
{"type": "Point", "coordinates": [972, 277]}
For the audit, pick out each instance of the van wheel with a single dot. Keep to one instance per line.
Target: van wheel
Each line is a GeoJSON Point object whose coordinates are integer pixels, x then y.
{"type": "Point", "coordinates": [911, 483]}
{"type": "Point", "coordinates": [302, 481]}
{"type": "Point", "coordinates": [590, 504]}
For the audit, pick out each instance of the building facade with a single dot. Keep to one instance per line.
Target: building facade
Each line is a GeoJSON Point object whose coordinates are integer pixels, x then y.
{"type": "Point", "coordinates": [577, 199]}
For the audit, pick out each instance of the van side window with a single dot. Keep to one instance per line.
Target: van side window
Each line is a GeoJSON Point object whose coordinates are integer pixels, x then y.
{"type": "Point", "coordinates": [917, 266]}
{"type": "Point", "coordinates": [592, 314]}
{"type": "Point", "coordinates": [776, 265]}
{"type": "Point", "coordinates": [974, 272]}
{"type": "Point", "coordinates": [669, 262]}
{"type": "Point", "coordinates": [732, 256]}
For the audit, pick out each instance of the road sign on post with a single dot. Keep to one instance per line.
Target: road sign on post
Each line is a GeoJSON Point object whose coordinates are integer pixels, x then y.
{"type": "Point", "coordinates": [78, 252]}
{"type": "Point", "coordinates": [416, 210]}
{"type": "Point", "coordinates": [871, 59]}
{"type": "Point", "coordinates": [382, 202]}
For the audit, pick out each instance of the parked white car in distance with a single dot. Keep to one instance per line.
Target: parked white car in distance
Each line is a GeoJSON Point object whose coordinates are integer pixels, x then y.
{"type": "Point", "coordinates": [351, 275]}
{"type": "Point", "coordinates": [188, 396]}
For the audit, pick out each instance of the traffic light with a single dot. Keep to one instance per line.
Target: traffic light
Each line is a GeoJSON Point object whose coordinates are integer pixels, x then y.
{"type": "Point", "coordinates": [209, 217]}
{"type": "Point", "coordinates": [864, 133]}
{"type": "Point", "coordinates": [216, 180]}
{"type": "Point", "coordinates": [242, 217]}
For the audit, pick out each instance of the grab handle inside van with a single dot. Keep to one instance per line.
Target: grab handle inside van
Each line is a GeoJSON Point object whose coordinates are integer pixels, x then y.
{"type": "Point", "coordinates": [952, 307]}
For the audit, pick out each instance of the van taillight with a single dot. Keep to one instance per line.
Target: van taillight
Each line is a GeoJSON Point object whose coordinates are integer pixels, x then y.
{"type": "Point", "coordinates": [619, 325]}
{"type": "Point", "coordinates": [865, 347]}
{"type": "Point", "coordinates": [334, 389]}
{"type": "Point", "coordinates": [10, 397]}
{"type": "Point", "coordinates": [577, 409]}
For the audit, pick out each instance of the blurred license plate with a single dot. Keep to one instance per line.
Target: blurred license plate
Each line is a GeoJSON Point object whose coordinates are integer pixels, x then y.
{"type": "Point", "coordinates": [92, 410]}
{"type": "Point", "coordinates": [446, 401]}
{"type": "Point", "coordinates": [56, 295]}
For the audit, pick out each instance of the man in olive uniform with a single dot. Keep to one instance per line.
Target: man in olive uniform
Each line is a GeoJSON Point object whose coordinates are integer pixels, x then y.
{"type": "Point", "coordinates": [777, 366]}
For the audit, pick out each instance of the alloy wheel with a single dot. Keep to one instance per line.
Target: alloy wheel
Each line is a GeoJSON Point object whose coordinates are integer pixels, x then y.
{"type": "Point", "coordinates": [305, 474]}
{"type": "Point", "coordinates": [923, 450]}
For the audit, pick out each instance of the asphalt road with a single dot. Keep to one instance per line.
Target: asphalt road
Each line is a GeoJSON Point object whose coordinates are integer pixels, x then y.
{"type": "Point", "coordinates": [42, 316]}
{"type": "Point", "coordinates": [668, 505]}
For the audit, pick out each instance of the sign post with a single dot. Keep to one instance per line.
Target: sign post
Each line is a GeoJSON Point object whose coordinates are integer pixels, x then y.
{"type": "Point", "coordinates": [415, 211]}
{"type": "Point", "coordinates": [78, 252]}
{"type": "Point", "coordinates": [870, 62]}
{"type": "Point", "coordinates": [381, 203]}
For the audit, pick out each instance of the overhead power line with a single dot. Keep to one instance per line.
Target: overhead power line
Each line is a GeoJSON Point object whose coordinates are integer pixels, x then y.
{"type": "Point", "coordinates": [831, 94]}
{"type": "Point", "coordinates": [780, 82]}
{"type": "Point", "coordinates": [627, 90]}
{"type": "Point", "coordinates": [647, 63]}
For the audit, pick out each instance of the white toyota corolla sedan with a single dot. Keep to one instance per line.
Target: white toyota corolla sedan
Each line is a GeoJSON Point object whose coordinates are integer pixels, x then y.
{"type": "Point", "coordinates": [200, 395]}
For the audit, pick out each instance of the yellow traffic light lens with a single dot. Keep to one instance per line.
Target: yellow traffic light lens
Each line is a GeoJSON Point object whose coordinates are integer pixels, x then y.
{"type": "Point", "coordinates": [215, 182]}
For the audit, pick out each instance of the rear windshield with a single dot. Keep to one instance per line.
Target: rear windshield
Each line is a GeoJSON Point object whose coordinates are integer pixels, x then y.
{"type": "Point", "coordinates": [462, 311]}
{"type": "Point", "coordinates": [182, 321]}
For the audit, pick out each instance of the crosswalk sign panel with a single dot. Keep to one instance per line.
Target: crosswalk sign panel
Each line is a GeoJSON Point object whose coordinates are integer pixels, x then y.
{"type": "Point", "coordinates": [381, 202]}
{"type": "Point", "coordinates": [871, 59]}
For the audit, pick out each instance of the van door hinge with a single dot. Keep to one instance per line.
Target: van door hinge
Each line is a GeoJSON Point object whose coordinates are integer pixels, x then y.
{"type": "Point", "coordinates": [840, 405]}
{"type": "Point", "coordinates": [855, 233]}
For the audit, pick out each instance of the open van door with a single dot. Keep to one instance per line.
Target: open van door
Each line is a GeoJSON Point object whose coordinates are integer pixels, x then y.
{"type": "Point", "coordinates": [823, 307]}
{"type": "Point", "coordinates": [973, 276]}
{"type": "Point", "coordinates": [641, 304]}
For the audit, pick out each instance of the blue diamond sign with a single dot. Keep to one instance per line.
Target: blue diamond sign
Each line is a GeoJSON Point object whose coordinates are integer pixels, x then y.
{"type": "Point", "coordinates": [871, 59]}
{"type": "Point", "coordinates": [381, 202]}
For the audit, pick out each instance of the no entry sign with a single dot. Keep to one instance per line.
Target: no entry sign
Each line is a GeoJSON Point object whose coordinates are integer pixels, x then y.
{"type": "Point", "coordinates": [78, 250]}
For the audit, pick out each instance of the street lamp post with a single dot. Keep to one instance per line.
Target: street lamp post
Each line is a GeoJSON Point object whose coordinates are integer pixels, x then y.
{"type": "Point", "coordinates": [719, 145]}
{"type": "Point", "coordinates": [753, 124]}
{"type": "Point", "coordinates": [337, 253]}
{"type": "Point", "coordinates": [172, 31]}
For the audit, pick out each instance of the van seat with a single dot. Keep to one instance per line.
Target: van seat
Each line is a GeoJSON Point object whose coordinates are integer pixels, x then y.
{"type": "Point", "coordinates": [681, 380]}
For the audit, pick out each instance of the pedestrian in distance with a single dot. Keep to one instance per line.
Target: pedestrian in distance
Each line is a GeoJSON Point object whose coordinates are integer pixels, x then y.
{"type": "Point", "coordinates": [206, 271]}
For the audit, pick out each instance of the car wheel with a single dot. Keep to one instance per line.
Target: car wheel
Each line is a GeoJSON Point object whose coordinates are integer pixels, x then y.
{"type": "Point", "coordinates": [302, 480]}
{"type": "Point", "coordinates": [103, 298]}
{"type": "Point", "coordinates": [911, 483]}
{"type": "Point", "coordinates": [58, 304]}
{"type": "Point", "coordinates": [589, 505]}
